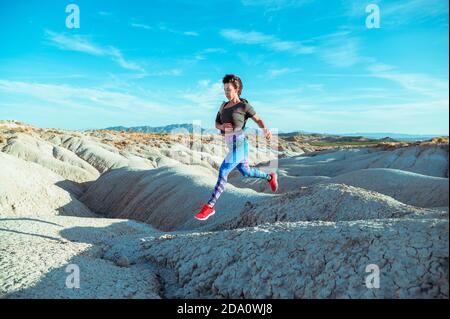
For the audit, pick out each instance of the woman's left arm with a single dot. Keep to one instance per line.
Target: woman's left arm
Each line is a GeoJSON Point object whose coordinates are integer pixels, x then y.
{"type": "Point", "coordinates": [261, 124]}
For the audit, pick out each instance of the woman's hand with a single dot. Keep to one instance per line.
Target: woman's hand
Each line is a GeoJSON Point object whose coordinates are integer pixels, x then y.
{"type": "Point", "coordinates": [227, 126]}
{"type": "Point", "coordinates": [267, 133]}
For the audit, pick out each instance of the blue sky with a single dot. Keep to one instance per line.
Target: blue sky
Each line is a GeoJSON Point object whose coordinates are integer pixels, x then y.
{"type": "Point", "coordinates": [308, 65]}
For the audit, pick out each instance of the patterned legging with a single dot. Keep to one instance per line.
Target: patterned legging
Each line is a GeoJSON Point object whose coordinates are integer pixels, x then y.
{"type": "Point", "coordinates": [237, 157]}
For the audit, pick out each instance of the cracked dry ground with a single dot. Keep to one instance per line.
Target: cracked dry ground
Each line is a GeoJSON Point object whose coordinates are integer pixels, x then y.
{"type": "Point", "coordinates": [126, 259]}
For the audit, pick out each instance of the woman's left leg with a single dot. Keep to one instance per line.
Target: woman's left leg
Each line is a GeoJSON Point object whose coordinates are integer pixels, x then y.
{"type": "Point", "coordinates": [248, 171]}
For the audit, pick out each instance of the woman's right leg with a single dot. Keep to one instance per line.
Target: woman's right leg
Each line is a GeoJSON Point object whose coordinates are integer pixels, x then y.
{"type": "Point", "coordinates": [224, 170]}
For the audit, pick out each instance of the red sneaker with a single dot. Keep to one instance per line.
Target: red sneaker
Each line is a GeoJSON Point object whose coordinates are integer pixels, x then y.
{"type": "Point", "coordinates": [205, 212]}
{"type": "Point", "coordinates": [273, 182]}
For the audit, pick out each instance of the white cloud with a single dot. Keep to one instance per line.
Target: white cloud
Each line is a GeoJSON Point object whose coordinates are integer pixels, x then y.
{"type": "Point", "coordinates": [214, 50]}
{"type": "Point", "coordinates": [418, 83]}
{"type": "Point", "coordinates": [186, 33]}
{"type": "Point", "coordinates": [200, 55]}
{"type": "Point", "coordinates": [342, 54]}
{"type": "Point", "coordinates": [73, 43]}
{"type": "Point", "coordinates": [84, 44]}
{"type": "Point", "coordinates": [251, 59]}
{"type": "Point", "coordinates": [203, 83]}
{"type": "Point", "coordinates": [316, 87]}
{"type": "Point", "coordinates": [380, 68]}
{"type": "Point", "coordinates": [118, 57]}
{"type": "Point", "coordinates": [275, 5]}
{"type": "Point", "coordinates": [172, 72]}
{"type": "Point", "coordinates": [142, 26]}
{"type": "Point", "coordinates": [78, 97]}
{"type": "Point", "coordinates": [339, 49]}
{"type": "Point", "coordinates": [268, 41]}
{"type": "Point", "coordinates": [205, 95]}
{"type": "Point", "coordinates": [164, 28]}
{"type": "Point", "coordinates": [282, 71]}
{"type": "Point", "coordinates": [191, 33]}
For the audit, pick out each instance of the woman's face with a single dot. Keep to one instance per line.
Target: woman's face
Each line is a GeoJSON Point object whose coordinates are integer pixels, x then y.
{"type": "Point", "coordinates": [230, 91]}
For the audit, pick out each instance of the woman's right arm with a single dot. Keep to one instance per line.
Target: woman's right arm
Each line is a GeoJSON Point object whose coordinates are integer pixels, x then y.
{"type": "Point", "coordinates": [219, 124]}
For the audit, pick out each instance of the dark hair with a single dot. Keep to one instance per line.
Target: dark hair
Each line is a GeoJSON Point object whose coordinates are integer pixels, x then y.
{"type": "Point", "coordinates": [235, 81]}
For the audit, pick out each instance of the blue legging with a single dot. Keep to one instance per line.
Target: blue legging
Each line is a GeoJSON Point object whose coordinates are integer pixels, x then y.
{"type": "Point", "coordinates": [237, 157]}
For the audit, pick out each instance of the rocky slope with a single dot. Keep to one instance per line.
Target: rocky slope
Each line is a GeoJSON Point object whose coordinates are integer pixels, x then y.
{"type": "Point", "coordinates": [119, 206]}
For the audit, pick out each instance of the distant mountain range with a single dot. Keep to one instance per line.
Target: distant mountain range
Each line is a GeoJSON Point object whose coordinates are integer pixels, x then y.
{"type": "Point", "coordinates": [373, 136]}
{"type": "Point", "coordinates": [395, 136]}
{"type": "Point", "coordinates": [190, 127]}
{"type": "Point", "coordinates": [161, 129]}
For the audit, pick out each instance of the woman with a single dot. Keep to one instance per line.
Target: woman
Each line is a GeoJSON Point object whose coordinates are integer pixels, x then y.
{"type": "Point", "coordinates": [231, 120]}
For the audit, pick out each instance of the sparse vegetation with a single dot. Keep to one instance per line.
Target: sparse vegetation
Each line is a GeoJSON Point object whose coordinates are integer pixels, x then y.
{"type": "Point", "coordinates": [443, 140]}
{"type": "Point", "coordinates": [325, 143]}
{"type": "Point", "coordinates": [20, 129]}
{"type": "Point", "coordinates": [145, 138]}
{"type": "Point", "coordinates": [121, 144]}
{"type": "Point", "coordinates": [392, 145]}
{"type": "Point", "coordinates": [52, 130]}
{"type": "Point", "coordinates": [439, 140]}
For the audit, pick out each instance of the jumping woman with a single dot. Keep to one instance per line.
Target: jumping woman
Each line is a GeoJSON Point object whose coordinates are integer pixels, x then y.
{"type": "Point", "coordinates": [230, 120]}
